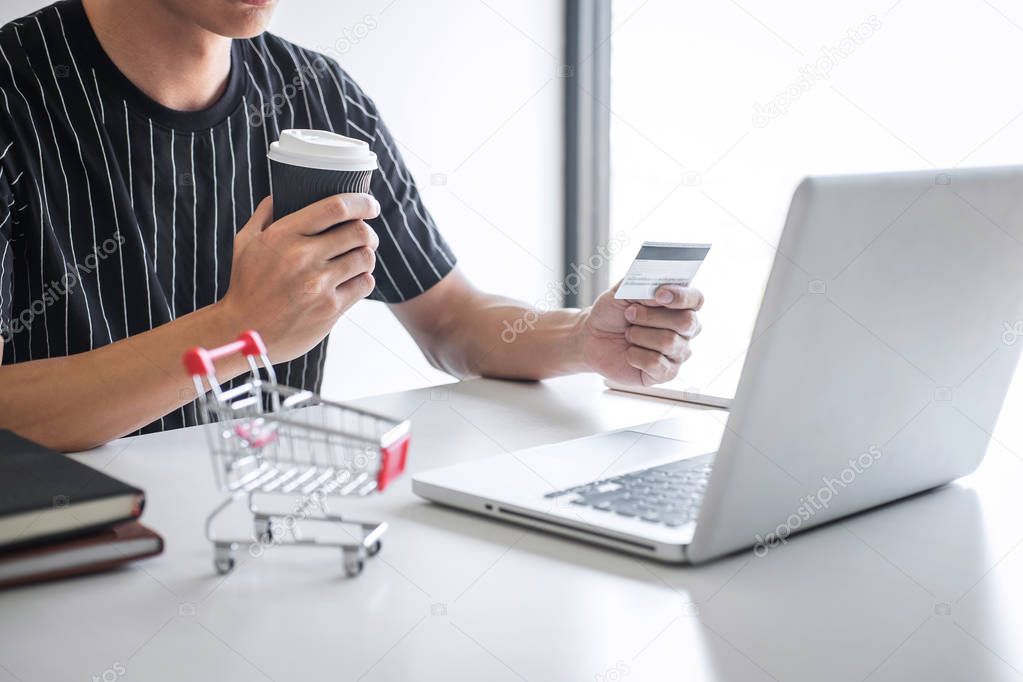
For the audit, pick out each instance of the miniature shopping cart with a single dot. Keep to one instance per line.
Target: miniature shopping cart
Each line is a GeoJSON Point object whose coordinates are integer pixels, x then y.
{"type": "Point", "coordinates": [262, 443]}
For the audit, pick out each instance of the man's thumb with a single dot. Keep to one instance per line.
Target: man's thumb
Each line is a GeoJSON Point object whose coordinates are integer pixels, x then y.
{"type": "Point", "coordinates": [261, 218]}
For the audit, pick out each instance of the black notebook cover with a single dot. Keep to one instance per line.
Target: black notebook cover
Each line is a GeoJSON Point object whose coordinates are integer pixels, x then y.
{"type": "Point", "coordinates": [34, 478]}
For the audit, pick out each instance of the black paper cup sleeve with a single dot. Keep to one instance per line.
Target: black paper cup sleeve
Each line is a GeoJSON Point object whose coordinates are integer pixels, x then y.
{"type": "Point", "coordinates": [295, 187]}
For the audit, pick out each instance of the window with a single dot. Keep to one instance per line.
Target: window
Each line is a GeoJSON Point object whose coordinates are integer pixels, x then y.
{"type": "Point", "coordinates": [719, 109]}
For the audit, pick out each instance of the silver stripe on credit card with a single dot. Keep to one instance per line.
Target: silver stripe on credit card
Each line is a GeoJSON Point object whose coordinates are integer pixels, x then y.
{"type": "Point", "coordinates": [660, 263]}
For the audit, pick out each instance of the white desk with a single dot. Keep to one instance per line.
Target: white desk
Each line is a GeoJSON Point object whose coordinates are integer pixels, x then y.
{"type": "Point", "coordinates": [931, 588]}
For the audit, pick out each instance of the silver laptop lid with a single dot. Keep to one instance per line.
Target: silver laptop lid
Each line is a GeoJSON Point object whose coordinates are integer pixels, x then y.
{"type": "Point", "coordinates": [881, 355]}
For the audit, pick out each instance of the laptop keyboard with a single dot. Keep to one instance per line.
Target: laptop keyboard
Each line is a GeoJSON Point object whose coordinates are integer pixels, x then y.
{"type": "Point", "coordinates": [669, 494]}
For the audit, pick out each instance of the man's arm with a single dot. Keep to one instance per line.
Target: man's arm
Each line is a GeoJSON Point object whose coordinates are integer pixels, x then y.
{"type": "Point", "coordinates": [81, 401]}
{"type": "Point", "coordinates": [290, 281]}
{"type": "Point", "coordinates": [467, 332]}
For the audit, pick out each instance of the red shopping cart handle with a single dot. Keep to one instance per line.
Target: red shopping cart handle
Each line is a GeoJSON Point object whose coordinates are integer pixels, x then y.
{"type": "Point", "coordinates": [199, 361]}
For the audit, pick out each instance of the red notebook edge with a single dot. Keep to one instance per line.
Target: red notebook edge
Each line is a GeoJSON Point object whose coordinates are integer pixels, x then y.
{"type": "Point", "coordinates": [65, 558]}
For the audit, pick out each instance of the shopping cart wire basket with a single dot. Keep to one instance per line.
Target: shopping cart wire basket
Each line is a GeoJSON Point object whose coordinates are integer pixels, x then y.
{"type": "Point", "coordinates": [262, 443]}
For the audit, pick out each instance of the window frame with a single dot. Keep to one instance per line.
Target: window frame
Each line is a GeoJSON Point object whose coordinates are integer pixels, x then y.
{"type": "Point", "coordinates": [587, 149]}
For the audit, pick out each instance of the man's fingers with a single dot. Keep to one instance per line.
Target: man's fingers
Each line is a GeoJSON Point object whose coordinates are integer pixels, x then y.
{"type": "Point", "coordinates": [351, 235]}
{"type": "Point", "coordinates": [355, 290]}
{"type": "Point", "coordinates": [655, 366]}
{"type": "Point", "coordinates": [346, 275]}
{"type": "Point", "coordinates": [350, 265]}
{"type": "Point", "coordinates": [325, 213]}
{"type": "Point", "coordinates": [664, 341]}
{"type": "Point", "coordinates": [678, 298]}
{"type": "Point", "coordinates": [683, 322]}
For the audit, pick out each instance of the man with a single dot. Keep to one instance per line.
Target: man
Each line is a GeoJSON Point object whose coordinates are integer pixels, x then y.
{"type": "Point", "coordinates": [133, 225]}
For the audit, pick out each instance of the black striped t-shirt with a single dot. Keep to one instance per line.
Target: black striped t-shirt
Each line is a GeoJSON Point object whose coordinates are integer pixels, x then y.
{"type": "Point", "coordinates": [118, 214]}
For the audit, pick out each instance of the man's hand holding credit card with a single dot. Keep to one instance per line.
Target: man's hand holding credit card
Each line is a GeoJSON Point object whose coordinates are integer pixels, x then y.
{"type": "Point", "coordinates": [638, 332]}
{"type": "Point", "coordinates": [660, 263]}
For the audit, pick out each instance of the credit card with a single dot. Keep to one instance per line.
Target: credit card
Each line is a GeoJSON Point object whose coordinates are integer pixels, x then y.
{"type": "Point", "coordinates": [660, 263]}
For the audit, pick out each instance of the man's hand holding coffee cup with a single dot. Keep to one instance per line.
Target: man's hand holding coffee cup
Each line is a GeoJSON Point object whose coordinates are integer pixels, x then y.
{"type": "Point", "coordinates": [307, 255]}
{"type": "Point", "coordinates": [293, 278]}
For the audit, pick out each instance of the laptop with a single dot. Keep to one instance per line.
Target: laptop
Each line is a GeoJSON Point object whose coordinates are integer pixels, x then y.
{"type": "Point", "coordinates": [882, 353]}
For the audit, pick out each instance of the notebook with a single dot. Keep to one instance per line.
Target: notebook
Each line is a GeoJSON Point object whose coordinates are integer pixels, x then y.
{"type": "Point", "coordinates": [87, 554]}
{"type": "Point", "coordinates": [45, 495]}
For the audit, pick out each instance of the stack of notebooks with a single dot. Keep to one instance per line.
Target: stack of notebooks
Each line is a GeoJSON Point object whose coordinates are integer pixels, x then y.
{"type": "Point", "coordinates": [59, 517]}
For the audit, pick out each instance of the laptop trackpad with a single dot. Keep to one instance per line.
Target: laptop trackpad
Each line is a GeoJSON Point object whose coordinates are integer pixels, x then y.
{"type": "Point", "coordinates": [588, 459]}
{"type": "Point", "coordinates": [528, 475]}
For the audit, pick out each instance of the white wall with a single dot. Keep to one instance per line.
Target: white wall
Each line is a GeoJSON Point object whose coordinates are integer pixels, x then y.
{"type": "Point", "coordinates": [925, 85]}
{"type": "Point", "coordinates": [12, 9]}
{"type": "Point", "coordinates": [470, 91]}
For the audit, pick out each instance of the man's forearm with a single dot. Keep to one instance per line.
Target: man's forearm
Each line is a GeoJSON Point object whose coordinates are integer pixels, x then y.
{"type": "Point", "coordinates": [81, 401]}
{"type": "Point", "coordinates": [471, 333]}
{"type": "Point", "coordinates": [498, 337]}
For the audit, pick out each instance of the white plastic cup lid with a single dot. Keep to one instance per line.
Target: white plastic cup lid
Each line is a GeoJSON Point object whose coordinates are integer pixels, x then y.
{"type": "Point", "coordinates": [322, 149]}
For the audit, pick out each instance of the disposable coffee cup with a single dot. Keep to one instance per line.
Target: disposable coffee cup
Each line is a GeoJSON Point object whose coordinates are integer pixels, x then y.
{"type": "Point", "coordinates": [309, 165]}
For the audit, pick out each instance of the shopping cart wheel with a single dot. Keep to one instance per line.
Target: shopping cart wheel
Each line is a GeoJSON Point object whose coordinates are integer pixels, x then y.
{"type": "Point", "coordinates": [375, 548]}
{"type": "Point", "coordinates": [354, 563]}
{"type": "Point", "coordinates": [223, 559]}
